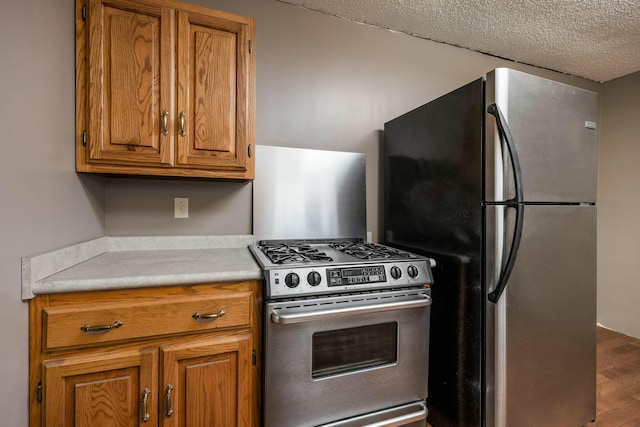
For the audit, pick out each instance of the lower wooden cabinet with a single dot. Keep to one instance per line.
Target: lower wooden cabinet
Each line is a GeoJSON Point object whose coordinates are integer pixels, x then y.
{"type": "Point", "coordinates": [206, 383]}
{"type": "Point", "coordinates": [206, 377]}
{"type": "Point", "coordinates": [103, 389]}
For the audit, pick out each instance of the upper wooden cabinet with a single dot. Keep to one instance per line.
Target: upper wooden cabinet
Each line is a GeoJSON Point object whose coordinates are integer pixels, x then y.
{"type": "Point", "coordinates": [164, 88]}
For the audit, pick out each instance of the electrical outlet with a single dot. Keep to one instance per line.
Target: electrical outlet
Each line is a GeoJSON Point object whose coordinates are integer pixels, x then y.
{"type": "Point", "coordinates": [181, 207]}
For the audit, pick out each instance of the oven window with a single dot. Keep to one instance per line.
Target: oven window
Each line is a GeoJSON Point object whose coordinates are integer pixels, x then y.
{"type": "Point", "coordinates": [345, 350]}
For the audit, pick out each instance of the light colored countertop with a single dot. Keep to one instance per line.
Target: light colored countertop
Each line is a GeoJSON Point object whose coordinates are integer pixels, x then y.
{"type": "Point", "coordinates": [136, 262]}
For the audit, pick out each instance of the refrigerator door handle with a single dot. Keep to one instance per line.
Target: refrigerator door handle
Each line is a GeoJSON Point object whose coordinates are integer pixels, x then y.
{"type": "Point", "coordinates": [505, 135]}
{"type": "Point", "coordinates": [494, 296]}
{"type": "Point", "coordinates": [516, 203]}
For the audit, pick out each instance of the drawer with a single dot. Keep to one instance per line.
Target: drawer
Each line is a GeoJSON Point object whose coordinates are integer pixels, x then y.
{"type": "Point", "coordinates": [109, 322]}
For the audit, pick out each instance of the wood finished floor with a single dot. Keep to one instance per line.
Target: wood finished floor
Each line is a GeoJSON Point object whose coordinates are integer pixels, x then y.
{"type": "Point", "coordinates": [618, 379]}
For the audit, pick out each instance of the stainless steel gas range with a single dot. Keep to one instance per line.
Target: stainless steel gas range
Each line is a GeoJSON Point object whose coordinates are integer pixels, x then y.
{"type": "Point", "coordinates": [346, 324]}
{"type": "Point", "coordinates": [346, 321]}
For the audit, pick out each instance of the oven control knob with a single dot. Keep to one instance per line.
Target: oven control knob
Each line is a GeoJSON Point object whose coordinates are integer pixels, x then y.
{"type": "Point", "coordinates": [413, 271]}
{"type": "Point", "coordinates": [314, 278]}
{"type": "Point", "coordinates": [292, 280]}
{"type": "Point", "coordinates": [396, 273]}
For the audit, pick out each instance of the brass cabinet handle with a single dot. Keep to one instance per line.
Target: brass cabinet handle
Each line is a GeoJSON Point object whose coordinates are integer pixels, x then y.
{"type": "Point", "coordinates": [114, 325]}
{"type": "Point", "coordinates": [163, 122]}
{"type": "Point", "coordinates": [168, 411]}
{"type": "Point", "coordinates": [181, 123]}
{"type": "Point", "coordinates": [144, 409]}
{"type": "Point", "coordinates": [211, 316]}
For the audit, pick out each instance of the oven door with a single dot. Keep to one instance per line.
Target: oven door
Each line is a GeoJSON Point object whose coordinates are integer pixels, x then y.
{"type": "Point", "coordinates": [335, 358]}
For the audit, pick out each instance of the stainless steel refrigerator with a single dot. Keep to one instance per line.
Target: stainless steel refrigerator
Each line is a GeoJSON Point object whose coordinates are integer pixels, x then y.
{"type": "Point", "coordinates": [497, 181]}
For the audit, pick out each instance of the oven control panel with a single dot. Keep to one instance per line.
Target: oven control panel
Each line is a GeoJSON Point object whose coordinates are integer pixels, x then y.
{"type": "Point", "coordinates": [355, 275]}
{"type": "Point", "coordinates": [300, 281]}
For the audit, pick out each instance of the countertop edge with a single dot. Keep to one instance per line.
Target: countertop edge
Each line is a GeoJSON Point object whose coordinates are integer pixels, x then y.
{"type": "Point", "coordinates": [62, 286]}
{"type": "Point", "coordinates": [36, 268]}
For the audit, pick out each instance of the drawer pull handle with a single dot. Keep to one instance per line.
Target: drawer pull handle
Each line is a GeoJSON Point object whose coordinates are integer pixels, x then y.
{"type": "Point", "coordinates": [88, 328]}
{"type": "Point", "coordinates": [212, 316]}
{"type": "Point", "coordinates": [168, 411]}
{"type": "Point", "coordinates": [144, 408]}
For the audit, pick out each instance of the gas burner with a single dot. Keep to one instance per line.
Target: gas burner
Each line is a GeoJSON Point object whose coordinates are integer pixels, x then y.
{"type": "Point", "coordinates": [283, 253]}
{"type": "Point", "coordinates": [370, 251]}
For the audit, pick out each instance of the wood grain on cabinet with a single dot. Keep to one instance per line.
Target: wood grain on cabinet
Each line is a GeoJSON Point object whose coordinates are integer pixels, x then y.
{"type": "Point", "coordinates": [90, 379]}
{"type": "Point", "coordinates": [105, 389]}
{"type": "Point", "coordinates": [212, 378]}
{"type": "Point", "coordinates": [144, 316]}
{"type": "Point", "coordinates": [164, 88]}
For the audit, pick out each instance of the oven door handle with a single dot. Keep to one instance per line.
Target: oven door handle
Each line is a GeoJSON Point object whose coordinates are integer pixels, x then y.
{"type": "Point", "coordinates": [284, 318]}
{"type": "Point", "coordinates": [399, 417]}
{"type": "Point", "coordinates": [402, 420]}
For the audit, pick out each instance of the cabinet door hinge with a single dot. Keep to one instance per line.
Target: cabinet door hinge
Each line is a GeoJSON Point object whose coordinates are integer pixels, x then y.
{"type": "Point", "coordinates": [250, 46]}
{"type": "Point", "coordinates": [84, 138]}
{"type": "Point", "coordinates": [253, 357]}
{"type": "Point", "coordinates": [84, 12]}
{"type": "Point", "coordinates": [249, 153]}
{"type": "Point", "coordinates": [39, 392]}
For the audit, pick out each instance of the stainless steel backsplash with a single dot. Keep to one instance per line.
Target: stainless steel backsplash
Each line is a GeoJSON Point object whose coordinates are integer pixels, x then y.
{"type": "Point", "coordinates": [308, 194]}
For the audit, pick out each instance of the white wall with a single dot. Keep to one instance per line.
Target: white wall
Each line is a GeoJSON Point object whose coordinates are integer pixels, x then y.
{"type": "Point", "coordinates": [619, 206]}
{"type": "Point", "coordinates": [322, 82]}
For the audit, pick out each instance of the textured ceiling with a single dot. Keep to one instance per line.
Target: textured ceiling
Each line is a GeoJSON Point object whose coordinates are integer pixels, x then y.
{"type": "Point", "coordinates": [595, 39]}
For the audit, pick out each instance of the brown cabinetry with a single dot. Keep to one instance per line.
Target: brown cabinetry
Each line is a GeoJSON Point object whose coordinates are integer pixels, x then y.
{"type": "Point", "coordinates": [99, 389]}
{"type": "Point", "coordinates": [164, 88]}
{"type": "Point", "coordinates": [207, 378]}
{"type": "Point", "coordinates": [178, 356]}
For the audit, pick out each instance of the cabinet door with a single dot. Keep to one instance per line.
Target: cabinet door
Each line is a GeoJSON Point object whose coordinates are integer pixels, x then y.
{"type": "Point", "coordinates": [213, 91]}
{"type": "Point", "coordinates": [207, 382]}
{"type": "Point", "coordinates": [130, 81]}
{"type": "Point", "coordinates": [102, 389]}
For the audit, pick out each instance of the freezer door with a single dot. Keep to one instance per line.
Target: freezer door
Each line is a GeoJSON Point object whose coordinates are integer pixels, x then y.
{"type": "Point", "coordinates": [542, 330]}
{"type": "Point", "coordinates": [553, 128]}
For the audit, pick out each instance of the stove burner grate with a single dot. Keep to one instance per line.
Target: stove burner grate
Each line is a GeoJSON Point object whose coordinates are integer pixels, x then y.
{"type": "Point", "coordinates": [283, 253]}
{"type": "Point", "coordinates": [370, 251]}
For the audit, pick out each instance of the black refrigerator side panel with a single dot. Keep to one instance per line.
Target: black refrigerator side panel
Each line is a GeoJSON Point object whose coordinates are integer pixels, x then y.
{"type": "Point", "coordinates": [433, 178]}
